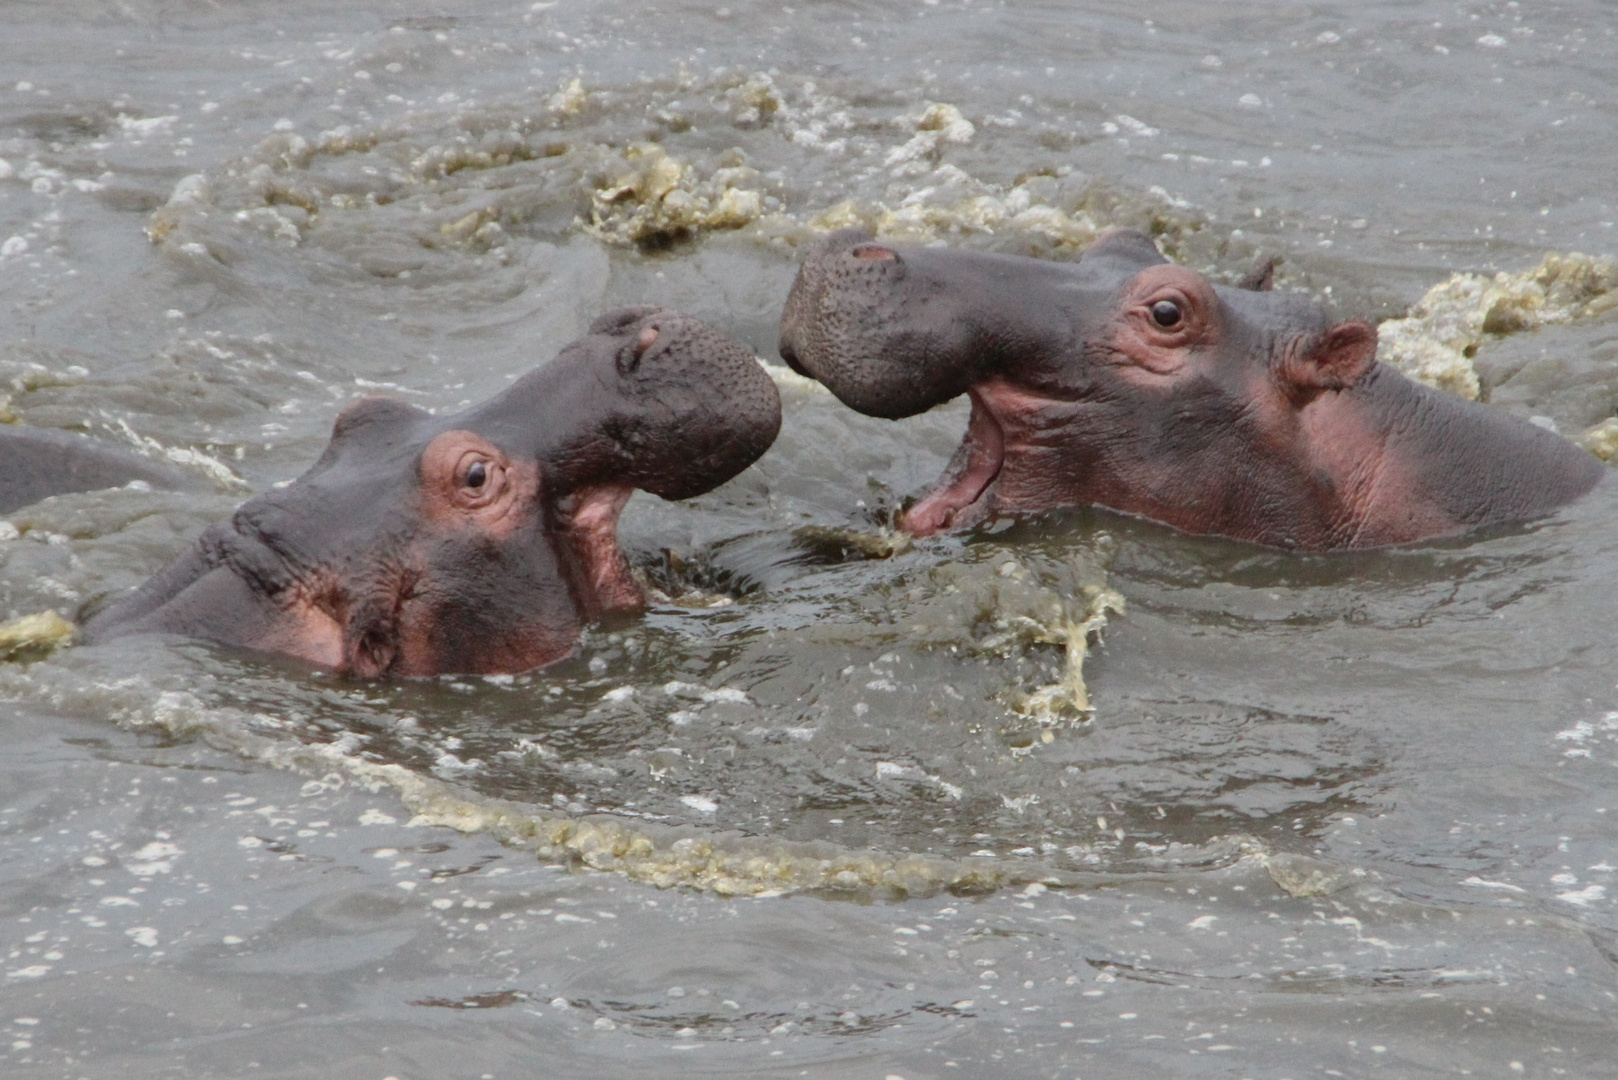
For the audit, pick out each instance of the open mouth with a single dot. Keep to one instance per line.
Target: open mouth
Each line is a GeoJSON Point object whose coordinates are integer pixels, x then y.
{"type": "Point", "coordinates": [589, 524]}
{"type": "Point", "coordinates": [962, 495]}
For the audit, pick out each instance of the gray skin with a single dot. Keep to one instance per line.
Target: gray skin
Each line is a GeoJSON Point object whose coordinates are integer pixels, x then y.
{"type": "Point", "coordinates": [475, 543]}
{"type": "Point", "coordinates": [1127, 382]}
{"type": "Point", "coordinates": [41, 462]}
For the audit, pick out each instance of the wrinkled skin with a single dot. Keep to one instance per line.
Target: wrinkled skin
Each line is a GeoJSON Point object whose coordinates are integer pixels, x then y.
{"type": "Point", "coordinates": [36, 463]}
{"type": "Point", "coordinates": [480, 542]}
{"type": "Point", "coordinates": [1127, 382]}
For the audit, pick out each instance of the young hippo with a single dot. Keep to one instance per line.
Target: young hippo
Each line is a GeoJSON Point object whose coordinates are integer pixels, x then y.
{"type": "Point", "coordinates": [479, 542]}
{"type": "Point", "coordinates": [1127, 382]}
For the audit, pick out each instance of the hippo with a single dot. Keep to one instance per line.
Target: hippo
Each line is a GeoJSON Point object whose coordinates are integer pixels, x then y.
{"type": "Point", "coordinates": [36, 463]}
{"type": "Point", "coordinates": [473, 543]}
{"type": "Point", "coordinates": [1127, 382]}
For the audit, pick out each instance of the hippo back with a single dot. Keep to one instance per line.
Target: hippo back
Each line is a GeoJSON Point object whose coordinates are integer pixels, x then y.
{"type": "Point", "coordinates": [41, 462]}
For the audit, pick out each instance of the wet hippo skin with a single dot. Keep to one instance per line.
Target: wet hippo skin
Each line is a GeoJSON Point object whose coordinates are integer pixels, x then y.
{"type": "Point", "coordinates": [36, 463]}
{"type": "Point", "coordinates": [1127, 382]}
{"type": "Point", "coordinates": [479, 542]}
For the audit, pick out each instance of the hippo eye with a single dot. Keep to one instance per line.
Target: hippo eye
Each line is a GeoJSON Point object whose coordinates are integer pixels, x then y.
{"type": "Point", "coordinates": [460, 471]}
{"type": "Point", "coordinates": [1166, 313]}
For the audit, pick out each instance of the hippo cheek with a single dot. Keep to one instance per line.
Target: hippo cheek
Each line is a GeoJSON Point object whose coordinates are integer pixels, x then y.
{"type": "Point", "coordinates": [454, 639]}
{"type": "Point", "coordinates": [371, 639]}
{"type": "Point", "coordinates": [494, 615]}
{"type": "Point", "coordinates": [308, 634]}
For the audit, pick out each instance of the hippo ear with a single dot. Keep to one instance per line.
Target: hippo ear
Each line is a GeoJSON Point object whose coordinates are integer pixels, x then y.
{"type": "Point", "coordinates": [368, 411]}
{"type": "Point", "coordinates": [1336, 360]}
{"type": "Point", "coordinates": [1262, 277]}
{"type": "Point", "coordinates": [1128, 246]}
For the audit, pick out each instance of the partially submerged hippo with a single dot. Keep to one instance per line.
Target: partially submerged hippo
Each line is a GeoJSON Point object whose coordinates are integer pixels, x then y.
{"type": "Point", "coordinates": [36, 463]}
{"type": "Point", "coordinates": [1127, 382]}
{"type": "Point", "coordinates": [479, 542]}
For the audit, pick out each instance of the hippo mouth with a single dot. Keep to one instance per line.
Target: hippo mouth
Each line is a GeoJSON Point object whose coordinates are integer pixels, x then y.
{"type": "Point", "coordinates": [964, 495]}
{"type": "Point", "coordinates": [587, 522]}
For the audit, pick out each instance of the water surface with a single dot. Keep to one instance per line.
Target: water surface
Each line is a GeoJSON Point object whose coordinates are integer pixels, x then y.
{"type": "Point", "coordinates": [833, 811]}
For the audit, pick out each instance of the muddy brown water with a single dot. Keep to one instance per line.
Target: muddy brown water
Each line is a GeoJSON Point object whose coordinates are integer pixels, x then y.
{"type": "Point", "coordinates": [832, 812]}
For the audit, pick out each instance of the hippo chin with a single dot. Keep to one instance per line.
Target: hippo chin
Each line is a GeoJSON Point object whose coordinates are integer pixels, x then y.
{"type": "Point", "coordinates": [479, 542]}
{"type": "Point", "coordinates": [1127, 382]}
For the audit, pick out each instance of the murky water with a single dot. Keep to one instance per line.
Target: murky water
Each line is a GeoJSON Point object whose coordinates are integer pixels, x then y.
{"type": "Point", "coordinates": [837, 810]}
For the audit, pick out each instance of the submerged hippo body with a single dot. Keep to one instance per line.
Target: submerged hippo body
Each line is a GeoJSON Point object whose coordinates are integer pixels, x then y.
{"type": "Point", "coordinates": [479, 542]}
{"type": "Point", "coordinates": [1127, 382]}
{"type": "Point", "coordinates": [36, 463]}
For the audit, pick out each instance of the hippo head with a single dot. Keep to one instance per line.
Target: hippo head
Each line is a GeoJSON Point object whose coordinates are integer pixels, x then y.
{"type": "Point", "coordinates": [1121, 380]}
{"type": "Point", "coordinates": [478, 542]}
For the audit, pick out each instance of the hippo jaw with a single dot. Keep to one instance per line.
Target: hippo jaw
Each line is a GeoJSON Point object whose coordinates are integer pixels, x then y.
{"type": "Point", "coordinates": [964, 495]}
{"type": "Point", "coordinates": [587, 527]}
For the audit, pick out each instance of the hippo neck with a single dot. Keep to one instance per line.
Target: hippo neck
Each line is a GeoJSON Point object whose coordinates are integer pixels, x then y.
{"type": "Point", "coordinates": [1426, 463]}
{"type": "Point", "coordinates": [1369, 449]}
{"type": "Point", "coordinates": [1315, 478]}
{"type": "Point", "coordinates": [1387, 462]}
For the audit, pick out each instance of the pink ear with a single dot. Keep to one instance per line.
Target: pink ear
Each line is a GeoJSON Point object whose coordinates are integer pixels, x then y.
{"type": "Point", "coordinates": [1337, 360]}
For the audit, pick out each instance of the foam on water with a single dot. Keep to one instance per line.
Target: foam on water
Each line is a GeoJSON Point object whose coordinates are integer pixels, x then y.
{"type": "Point", "coordinates": [32, 634]}
{"type": "Point", "coordinates": [1435, 343]}
{"type": "Point", "coordinates": [656, 199]}
{"type": "Point", "coordinates": [476, 177]}
{"type": "Point", "coordinates": [665, 855]}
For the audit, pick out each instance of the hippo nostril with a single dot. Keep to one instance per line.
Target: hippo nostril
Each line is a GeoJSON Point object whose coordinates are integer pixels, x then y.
{"type": "Point", "coordinates": [631, 353]}
{"type": "Point", "coordinates": [874, 253]}
{"type": "Point", "coordinates": [791, 358]}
